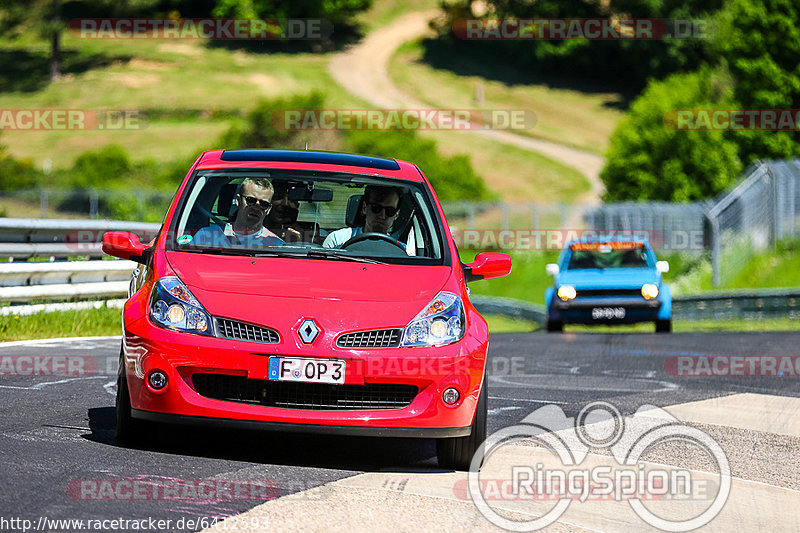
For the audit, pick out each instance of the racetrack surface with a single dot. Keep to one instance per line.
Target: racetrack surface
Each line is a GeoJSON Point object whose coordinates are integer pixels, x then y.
{"type": "Point", "coordinates": [55, 432]}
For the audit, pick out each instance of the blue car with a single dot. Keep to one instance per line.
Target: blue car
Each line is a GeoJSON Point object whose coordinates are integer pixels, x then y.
{"type": "Point", "coordinates": [608, 281]}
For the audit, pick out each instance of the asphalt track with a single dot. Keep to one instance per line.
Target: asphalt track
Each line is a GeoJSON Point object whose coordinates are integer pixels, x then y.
{"type": "Point", "coordinates": [57, 431]}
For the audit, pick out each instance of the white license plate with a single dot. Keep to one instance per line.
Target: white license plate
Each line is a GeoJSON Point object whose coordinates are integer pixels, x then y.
{"type": "Point", "coordinates": [306, 370]}
{"type": "Point", "coordinates": [608, 313]}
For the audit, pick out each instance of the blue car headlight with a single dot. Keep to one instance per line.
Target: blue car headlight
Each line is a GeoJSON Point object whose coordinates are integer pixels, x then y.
{"type": "Point", "coordinates": [441, 322]}
{"type": "Point", "coordinates": [172, 306]}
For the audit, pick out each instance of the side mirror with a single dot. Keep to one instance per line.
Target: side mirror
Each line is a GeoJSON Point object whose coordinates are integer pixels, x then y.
{"type": "Point", "coordinates": [125, 246]}
{"type": "Point", "coordinates": [662, 266]}
{"type": "Point", "coordinates": [551, 269]}
{"type": "Point", "coordinates": [487, 265]}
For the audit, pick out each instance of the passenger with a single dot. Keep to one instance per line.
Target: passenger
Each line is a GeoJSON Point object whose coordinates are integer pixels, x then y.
{"type": "Point", "coordinates": [380, 209]}
{"type": "Point", "coordinates": [282, 219]}
{"type": "Point", "coordinates": [253, 198]}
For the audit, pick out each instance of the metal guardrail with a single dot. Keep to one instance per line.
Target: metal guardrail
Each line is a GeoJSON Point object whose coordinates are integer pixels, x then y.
{"type": "Point", "coordinates": [24, 238]}
{"type": "Point", "coordinates": [740, 304]}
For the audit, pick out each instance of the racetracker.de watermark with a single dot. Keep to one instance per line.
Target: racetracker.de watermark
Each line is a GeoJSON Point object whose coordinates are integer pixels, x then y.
{"type": "Point", "coordinates": [733, 119]}
{"type": "Point", "coordinates": [595, 29]}
{"type": "Point", "coordinates": [217, 29]}
{"type": "Point", "coordinates": [48, 365]}
{"type": "Point", "coordinates": [563, 469]}
{"type": "Point", "coordinates": [403, 119]}
{"type": "Point", "coordinates": [725, 366]}
{"type": "Point", "coordinates": [71, 119]}
{"type": "Point", "coordinates": [161, 488]}
{"type": "Point", "coordinates": [556, 239]}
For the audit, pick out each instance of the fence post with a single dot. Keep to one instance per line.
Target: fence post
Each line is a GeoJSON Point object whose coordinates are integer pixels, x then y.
{"type": "Point", "coordinates": [713, 221]}
{"type": "Point", "coordinates": [93, 200]}
{"type": "Point", "coordinates": [43, 201]}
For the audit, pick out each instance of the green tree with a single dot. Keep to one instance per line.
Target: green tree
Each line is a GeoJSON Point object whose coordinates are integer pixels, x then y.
{"type": "Point", "coordinates": [759, 40]}
{"type": "Point", "coordinates": [649, 159]}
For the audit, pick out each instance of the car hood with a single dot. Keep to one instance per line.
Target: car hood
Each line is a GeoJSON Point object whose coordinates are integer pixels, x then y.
{"type": "Point", "coordinates": [338, 294]}
{"type": "Point", "coordinates": [598, 278]}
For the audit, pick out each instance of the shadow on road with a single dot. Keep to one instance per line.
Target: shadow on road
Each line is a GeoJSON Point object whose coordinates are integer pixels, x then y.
{"type": "Point", "coordinates": [270, 447]}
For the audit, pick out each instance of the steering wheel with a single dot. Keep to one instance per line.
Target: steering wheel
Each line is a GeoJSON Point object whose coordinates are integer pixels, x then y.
{"type": "Point", "coordinates": [374, 236]}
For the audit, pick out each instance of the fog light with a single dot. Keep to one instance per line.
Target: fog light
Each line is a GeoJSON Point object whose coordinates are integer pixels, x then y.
{"type": "Point", "coordinates": [450, 396]}
{"type": "Point", "coordinates": [157, 379]}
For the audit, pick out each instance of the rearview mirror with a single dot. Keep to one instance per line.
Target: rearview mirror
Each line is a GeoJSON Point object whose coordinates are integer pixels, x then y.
{"type": "Point", "coordinates": [487, 265]}
{"type": "Point", "coordinates": [125, 246]}
{"type": "Point", "coordinates": [551, 269]}
{"type": "Point", "coordinates": [302, 194]}
{"type": "Point", "coordinates": [662, 267]}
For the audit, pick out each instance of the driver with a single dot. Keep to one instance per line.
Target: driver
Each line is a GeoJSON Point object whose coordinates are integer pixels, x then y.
{"type": "Point", "coordinates": [380, 209]}
{"type": "Point", "coordinates": [253, 198]}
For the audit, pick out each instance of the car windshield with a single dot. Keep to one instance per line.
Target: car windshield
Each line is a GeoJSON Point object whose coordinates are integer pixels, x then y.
{"type": "Point", "coordinates": [329, 216]}
{"type": "Point", "coordinates": [607, 255]}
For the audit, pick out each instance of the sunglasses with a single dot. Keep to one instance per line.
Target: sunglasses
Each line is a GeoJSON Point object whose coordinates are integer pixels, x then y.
{"type": "Point", "coordinates": [377, 208]}
{"type": "Point", "coordinates": [250, 200]}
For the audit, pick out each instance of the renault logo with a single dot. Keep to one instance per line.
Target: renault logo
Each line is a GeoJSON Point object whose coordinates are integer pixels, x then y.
{"type": "Point", "coordinates": [308, 331]}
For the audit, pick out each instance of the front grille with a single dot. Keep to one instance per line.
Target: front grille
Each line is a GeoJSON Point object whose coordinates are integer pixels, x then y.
{"type": "Point", "coordinates": [377, 338]}
{"type": "Point", "coordinates": [609, 292]}
{"type": "Point", "coordinates": [233, 329]}
{"type": "Point", "coordinates": [312, 396]}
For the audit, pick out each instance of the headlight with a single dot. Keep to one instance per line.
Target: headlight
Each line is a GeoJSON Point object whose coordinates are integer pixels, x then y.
{"type": "Point", "coordinates": [649, 291]}
{"type": "Point", "coordinates": [567, 292]}
{"type": "Point", "coordinates": [441, 322]}
{"type": "Point", "coordinates": [172, 306]}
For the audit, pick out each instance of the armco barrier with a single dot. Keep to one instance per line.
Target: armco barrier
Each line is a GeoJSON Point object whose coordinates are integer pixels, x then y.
{"type": "Point", "coordinates": [24, 238]}
{"type": "Point", "coordinates": [744, 304]}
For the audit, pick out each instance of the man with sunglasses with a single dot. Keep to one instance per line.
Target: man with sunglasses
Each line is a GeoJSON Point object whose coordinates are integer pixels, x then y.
{"type": "Point", "coordinates": [254, 202]}
{"type": "Point", "coordinates": [380, 210]}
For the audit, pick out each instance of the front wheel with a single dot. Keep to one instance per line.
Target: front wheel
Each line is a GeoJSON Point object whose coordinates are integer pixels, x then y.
{"type": "Point", "coordinates": [555, 326]}
{"type": "Point", "coordinates": [664, 326]}
{"type": "Point", "coordinates": [457, 452]}
{"type": "Point", "coordinates": [129, 430]}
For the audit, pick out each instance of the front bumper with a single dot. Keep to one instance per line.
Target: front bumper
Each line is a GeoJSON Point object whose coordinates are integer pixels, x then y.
{"type": "Point", "coordinates": [181, 356]}
{"type": "Point", "coordinates": [584, 310]}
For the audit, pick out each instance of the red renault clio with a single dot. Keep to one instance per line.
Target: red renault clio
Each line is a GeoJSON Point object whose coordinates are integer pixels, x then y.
{"type": "Point", "coordinates": [305, 291]}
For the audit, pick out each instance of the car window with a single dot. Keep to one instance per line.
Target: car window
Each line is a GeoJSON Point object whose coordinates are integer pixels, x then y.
{"type": "Point", "coordinates": [608, 257]}
{"type": "Point", "coordinates": [291, 212]}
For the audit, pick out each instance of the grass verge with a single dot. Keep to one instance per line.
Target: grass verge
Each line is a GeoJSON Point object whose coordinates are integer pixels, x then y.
{"type": "Point", "coordinates": [581, 119]}
{"type": "Point", "coordinates": [81, 323]}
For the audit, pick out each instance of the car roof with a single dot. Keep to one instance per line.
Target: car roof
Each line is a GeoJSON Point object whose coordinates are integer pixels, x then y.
{"type": "Point", "coordinates": [611, 238]}
{"type": "Point", "coordinates": [310, 160]}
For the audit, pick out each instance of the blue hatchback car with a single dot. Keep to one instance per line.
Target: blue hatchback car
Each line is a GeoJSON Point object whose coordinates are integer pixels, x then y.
{"type": "Point", "coordinates": [608, 281]}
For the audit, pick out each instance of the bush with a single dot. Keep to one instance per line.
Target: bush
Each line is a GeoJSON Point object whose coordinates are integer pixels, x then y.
{"type": "Point", "coordinates": [261, 128]}
{"type": "Point", "coordinates": [101, 168]}
{"type": "Point", "coordinates": [649, 160]}
{"type": "Point", "coordinates": [453, 178]}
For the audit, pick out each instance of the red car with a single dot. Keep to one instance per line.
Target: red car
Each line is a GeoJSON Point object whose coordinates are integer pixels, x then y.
{"type": "Point", "coordinates": [305, 291]}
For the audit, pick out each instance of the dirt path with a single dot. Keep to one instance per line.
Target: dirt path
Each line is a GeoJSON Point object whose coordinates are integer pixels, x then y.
{"type": "Point", "coordinates": [363, 71]}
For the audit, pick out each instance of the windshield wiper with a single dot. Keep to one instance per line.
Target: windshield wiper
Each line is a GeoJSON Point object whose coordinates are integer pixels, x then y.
{"type": "Point", "coordinates": [338, 255]}
{"type": "Point", "coordinates": [217, 251]}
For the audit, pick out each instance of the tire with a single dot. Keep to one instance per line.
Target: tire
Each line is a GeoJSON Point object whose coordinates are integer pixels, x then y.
{"type": "Point", "coordinates": [555, 326]}
{"type": "Point", "coordinates": [129, 430]}
{"type": "Point", "coordinates": [457, 452]}
{"type": "Point", "coordinates": [664, 326]}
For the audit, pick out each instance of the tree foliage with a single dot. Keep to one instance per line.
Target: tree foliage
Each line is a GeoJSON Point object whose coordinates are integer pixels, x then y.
{"type": "Point", "coordinates": [652, 160]}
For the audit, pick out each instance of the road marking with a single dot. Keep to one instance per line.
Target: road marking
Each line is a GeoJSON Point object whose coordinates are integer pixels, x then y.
{"type": "Point", "coordinates": [498, 410]}
{"type": "Point", "coordinates": [108, 386]}
{"type": "Point", "coordinates": [46, 383]}
{"type": "Point", "coordinates": [527, 400]}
